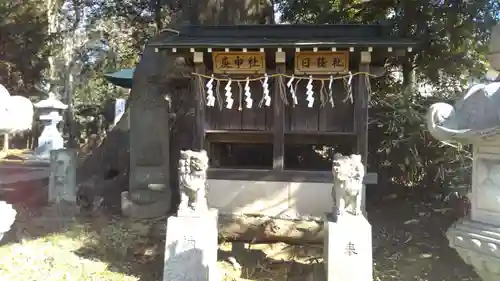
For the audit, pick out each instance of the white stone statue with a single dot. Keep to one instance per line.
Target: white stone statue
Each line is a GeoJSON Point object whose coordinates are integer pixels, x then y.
{"type": "Point", "coordinates": [348, 173]}
{"type": "Point", "coordinates": [193, 182]}
{"type": "Point", "coordinates": [16, 115]}
{"type": "Point", "coordinates": [7, 217]}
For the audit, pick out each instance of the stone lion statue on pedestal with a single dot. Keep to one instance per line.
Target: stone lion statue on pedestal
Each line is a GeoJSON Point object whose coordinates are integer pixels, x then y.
{"type": "Point", "coordinates": [348, 173]}
{"type": "Point", "coordinates": [193, 167]}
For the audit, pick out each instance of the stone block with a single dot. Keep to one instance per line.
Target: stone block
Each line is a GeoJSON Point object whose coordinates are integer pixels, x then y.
{"type": "Point", "coordinates": [191, 248]}
{"type": "Point", "coordinates": [478, 244]}
{"type": "Point", "coordinates": [145, 211]}
{"type": "Point", "coordinates": [348, 249]}
{"type": "Point", "coordinates": [62, 179]}
{"type": "Point", "coordinates": [485, 185]}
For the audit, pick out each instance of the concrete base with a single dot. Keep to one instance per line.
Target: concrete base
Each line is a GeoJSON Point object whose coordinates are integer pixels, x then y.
{"type": "Point", "coordinates": [478, 244]}
{"type": "Point", "coordinates": [191, 248]}
{"type": "Point", "coordinates": [348, 249]}
{"type": "Point", "coordinates": [292, 200]}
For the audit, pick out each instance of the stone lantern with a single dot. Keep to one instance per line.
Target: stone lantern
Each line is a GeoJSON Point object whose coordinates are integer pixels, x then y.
{"type": "Point", "coordinates": [475, 119]}
{"type": "Point", "coordinates": [50, 114]}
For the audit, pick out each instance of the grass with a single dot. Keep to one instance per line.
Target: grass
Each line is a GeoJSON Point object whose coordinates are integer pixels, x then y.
{"type": "Point", "coordinates": [55, 257]}
{"type": "Point", "coordinates": [54, 245]}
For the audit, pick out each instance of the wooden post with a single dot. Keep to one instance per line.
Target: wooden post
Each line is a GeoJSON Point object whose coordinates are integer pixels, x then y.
{"type": "Point", "coordinates": [361, 108]}
{"type": "Point", "coordinates": [361, 117]}
{"type": "Point", "coordinates": [199, 127]}
{"type": "Point", "coordinates": [279, 118]}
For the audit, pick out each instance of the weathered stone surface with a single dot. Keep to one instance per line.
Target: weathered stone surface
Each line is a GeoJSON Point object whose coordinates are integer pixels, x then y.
{"type": "Point", "coordinates": [193, 182]}
{"type": "Point", "coordinates": [191, 248]}
{"type": "Point", "coordinates": [62, 180]}
{"type": "Point", "coordinates": [155, 209]}
{"type": "Point", "coordinates": [149, 129]}
{"type": "Point", "coordinates": [151, 155]}
{"type": "Point", "coordinates": [145, 196]}
{"type": "Point", "coordinates": [348, 249]}
{"type": "Point", "coordinates": [478, 244]}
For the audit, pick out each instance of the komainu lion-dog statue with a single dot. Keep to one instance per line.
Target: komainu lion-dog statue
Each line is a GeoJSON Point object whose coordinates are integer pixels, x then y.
{"type": "Point", "coordinates": [193, 167]}
{"type": "Point", "coordinates": [348, 173]}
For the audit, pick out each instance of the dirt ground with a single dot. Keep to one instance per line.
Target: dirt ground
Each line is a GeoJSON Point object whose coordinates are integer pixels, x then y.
{"type": "Point", "coordinates": [409, 244]}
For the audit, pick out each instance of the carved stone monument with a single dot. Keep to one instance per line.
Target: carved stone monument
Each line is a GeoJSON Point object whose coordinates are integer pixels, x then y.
{"type": "Point", "coordinates": [475, 119]}
{"type": "Point", "coordinates": [191, 238]}
{"type": "Point", "coordinates": [7, 218]}
{"type": "Point", "coordinates": [62, 179]}
{"type": "Point", "coordinates": [50, 138]}
{"type": "Point", "coordinates": [348, 238]}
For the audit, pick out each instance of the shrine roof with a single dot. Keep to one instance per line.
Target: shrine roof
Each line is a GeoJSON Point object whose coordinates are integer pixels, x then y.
{"type": "Point", "coordinates": [281, 35]}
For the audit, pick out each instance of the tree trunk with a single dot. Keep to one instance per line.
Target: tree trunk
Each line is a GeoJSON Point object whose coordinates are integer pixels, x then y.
{"type": "Point", "coordinates": [123, 153]}
{"type": "Point", "coordinates": [261, 229]}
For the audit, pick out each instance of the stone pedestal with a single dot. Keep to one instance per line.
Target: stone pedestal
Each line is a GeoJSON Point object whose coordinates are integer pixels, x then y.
{"type": "Point", "coordinates": [348, 248]}
{"type": "Point", "coordinates": [62, 179]}
{"type": "Point", "coordinates": [191, 248]}
{"type": "Point", "coordinates": [477, 239]}
{"type": "Point", "coordinates": [478, 244]}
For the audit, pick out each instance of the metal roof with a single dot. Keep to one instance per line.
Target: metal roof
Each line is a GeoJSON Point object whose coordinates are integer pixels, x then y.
{"type": "Point", "coordinates": [280, 35]}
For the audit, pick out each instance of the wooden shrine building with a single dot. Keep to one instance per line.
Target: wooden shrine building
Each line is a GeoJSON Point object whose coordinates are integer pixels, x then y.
{"type": "Point", "coordinates": [274, 101]}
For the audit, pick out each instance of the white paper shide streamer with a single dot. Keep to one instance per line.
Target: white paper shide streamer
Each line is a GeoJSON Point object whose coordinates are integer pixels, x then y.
{"type": "Point", "coordinates": [292, 90]}
{"type": "Point", "coordinates": [330, 93]}
{"type": "Point", "coordinates": [248, 95]}
{"type": "Point", "coordinates": [310, 92]}
{"type": "Point", "coordinates": [229, 94]}
{"type": "Point", "coordinates": [265, 86]}
{"type": "Point", "coordinates": [210, 92]}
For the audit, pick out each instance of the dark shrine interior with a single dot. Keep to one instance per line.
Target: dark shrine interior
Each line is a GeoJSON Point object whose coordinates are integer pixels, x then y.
{"type": "Point", "coordinates": [305, 157]}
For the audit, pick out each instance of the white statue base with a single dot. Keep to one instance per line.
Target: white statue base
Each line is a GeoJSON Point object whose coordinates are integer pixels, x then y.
{"type": "Point", "coordinates": [348, 248]}
{"type": "Point", "coordinates": [191, 247]}
{"type": "Point", "coordinates": [478, 244]}
{"type": "Point", "coordinates": [7, 217]}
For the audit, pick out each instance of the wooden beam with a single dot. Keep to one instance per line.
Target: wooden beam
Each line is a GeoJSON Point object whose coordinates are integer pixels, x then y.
{"type": "Point", "coordinates": [279, 117]}
{"type": "Point", "coordinates": [280, 176]}
{"type": "Point", "coordinates": [199, 127]}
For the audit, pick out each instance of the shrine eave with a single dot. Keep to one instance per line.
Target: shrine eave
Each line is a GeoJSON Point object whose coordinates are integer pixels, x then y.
{"type": "Point", "coordinates": [280, 36]}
